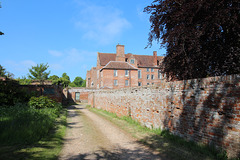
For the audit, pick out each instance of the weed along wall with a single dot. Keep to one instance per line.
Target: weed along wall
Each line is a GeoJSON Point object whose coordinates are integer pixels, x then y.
{"type": "Point", "coordinates": [203, 110]}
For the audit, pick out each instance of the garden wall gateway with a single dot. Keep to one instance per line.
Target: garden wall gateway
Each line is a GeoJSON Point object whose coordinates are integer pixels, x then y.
{"type": "Point", "coordinates": [202, 110]}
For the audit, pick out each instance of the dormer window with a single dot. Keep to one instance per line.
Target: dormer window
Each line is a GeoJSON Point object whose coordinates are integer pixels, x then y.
{"type": "Point", "coordinates": [126, 59]}
{"type": "Point", "coordinates": [132, 61]}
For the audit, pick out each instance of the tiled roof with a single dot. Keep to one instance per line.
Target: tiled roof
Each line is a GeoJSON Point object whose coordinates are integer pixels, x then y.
{"type": "Point", "coordinates": [106, 57]}
{"type": "Point", "coordinates": [145, 60]}
{"type": "Point", "coordinates": [119, 65]}
{"type": "Point", "coordinates": [142, 60]}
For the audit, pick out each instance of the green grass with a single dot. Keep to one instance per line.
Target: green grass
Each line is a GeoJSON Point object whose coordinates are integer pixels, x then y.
{"type": "Point", "coordinates": [28, 133]}
{"type": "Point", "coordinates": [162, 141]}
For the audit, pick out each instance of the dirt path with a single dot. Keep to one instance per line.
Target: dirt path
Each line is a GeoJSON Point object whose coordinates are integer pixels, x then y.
{"type": "Point", "coordinates": [92, 137]}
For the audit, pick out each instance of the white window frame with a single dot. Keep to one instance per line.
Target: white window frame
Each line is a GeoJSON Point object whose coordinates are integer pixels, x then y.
{"type": "Point", "coordinates": [147, 69]}
{"type": "Point", "coordinates": [115, 82]}
{"type": "Point", "coordinates": [126, 73]}
{"type": "Point", "coordinates": [139, 83]}
{"type": "Point", "coordinates": [159, 74]}
{"type": "Point", "coordinates": [148, 76]}
{"type": "Point", "coordinates": [115, 73]}
{"type": "Point", "coordinates": [152, 69]}
{"type": "Point", "coordinates": [132, 61]}
{"type": "Point", "coordinates": [126, 82]}
{"type": "Point", "coordinates": [139, 74]}
{"type": "Point", "coordinates": [152, 76]}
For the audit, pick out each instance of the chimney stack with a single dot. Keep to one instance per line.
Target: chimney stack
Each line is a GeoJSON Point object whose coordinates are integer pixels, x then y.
{"type": "Point", "coordinates": [120, 54]}
{"type": "Point", "coordinates": [155, 58]}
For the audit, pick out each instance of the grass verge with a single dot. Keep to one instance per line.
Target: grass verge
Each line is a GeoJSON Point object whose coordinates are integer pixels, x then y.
{"type": "Point", "coordinates": [48, 147]}
{"type": "Point", "coordinates": [173, 147]}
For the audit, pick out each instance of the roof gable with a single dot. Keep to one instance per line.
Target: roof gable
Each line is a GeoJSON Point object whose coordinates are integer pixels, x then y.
{"type": "Point", "coordinates": [119, 65]}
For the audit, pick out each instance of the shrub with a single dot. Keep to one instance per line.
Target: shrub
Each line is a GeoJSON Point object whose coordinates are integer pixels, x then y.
{"type": "Point", "coordinates": [42, 102]}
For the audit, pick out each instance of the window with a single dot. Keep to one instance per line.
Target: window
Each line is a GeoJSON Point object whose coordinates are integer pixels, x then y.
{"type": "Point", "coordinates": [132, 61]}
{"type": "Point", "coordinates": [139, 74]}
{"type": "Point", "coordinates": [148, 76]}
{"type": "Point", "coordinates": [126, 72]}
{"type": "Point", "coordinates": [126, 82]}
{"type": "Point", "coordinates": [159, 75]}
{"type": "Point", "coordinates": [152, 70]}
{"type": "Point", "coordinates": [139, 83]}
{"type": "Point", "coordinates": [152, 76]}
{"type": "Point", "coordinates": [152, 83]}
{"type": "Point", "coordinates": [147, 83]}
{"type": "Point", "coordinates": [115, 83]}
{"type": "Point", "coordinates": [115, 73]}
{"type": "Point", "coordinates": [147, 69]}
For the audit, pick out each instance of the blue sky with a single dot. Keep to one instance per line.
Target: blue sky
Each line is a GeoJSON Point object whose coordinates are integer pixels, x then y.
{"type": "Point", "coordinates": [67, 34]}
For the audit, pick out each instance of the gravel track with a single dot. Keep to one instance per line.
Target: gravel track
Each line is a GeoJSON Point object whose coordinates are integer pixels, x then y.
{"type": "Point", "coordinates": [90, 136]}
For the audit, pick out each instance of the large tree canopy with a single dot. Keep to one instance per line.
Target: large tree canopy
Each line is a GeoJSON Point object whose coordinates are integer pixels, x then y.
{"type": "Point", "coordinates": [202, 37]}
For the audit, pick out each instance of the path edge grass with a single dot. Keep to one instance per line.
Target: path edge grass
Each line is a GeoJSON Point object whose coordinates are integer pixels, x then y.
{"type": "Point", "coordinates": [210, 151]}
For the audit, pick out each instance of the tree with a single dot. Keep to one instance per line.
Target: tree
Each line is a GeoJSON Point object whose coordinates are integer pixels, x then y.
{"type": "Point", "coordinates": [78, 82]}
{"type": "Point", "coordinates": [4, 73]}
{"type": "Point", "coordinates": [55, 79]}
{"type": "Point", "coordinates": [39, 73]}
{"type": "Point", "coordinates": [202, 38]}
{"type": "Point", "coordinates": [65, 80]}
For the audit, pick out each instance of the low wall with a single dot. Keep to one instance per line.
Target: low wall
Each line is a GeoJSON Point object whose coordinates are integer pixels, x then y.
{"type": "Point", "coordinates": [70, 94]}
{"type": "Point", "coordinates": [202, 110]}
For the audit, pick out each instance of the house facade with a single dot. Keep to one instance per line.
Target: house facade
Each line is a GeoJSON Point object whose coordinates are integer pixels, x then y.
{"type": "Point", "coordinates": [120, 70]}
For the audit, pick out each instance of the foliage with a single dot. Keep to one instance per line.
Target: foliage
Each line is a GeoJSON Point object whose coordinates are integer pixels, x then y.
{"type": "Point", "coordinates": [65, 80]}
{"type": "Point", "coordinates": [23, 125]}
{"type": "Point", "coordinates": [42, 102]}
{"type": "Point", "coordinates": [24, 81]}
{"type": "Point", "coordinates": [202, 37]}
{"type": "Point", "coordinates": [78, 82]}
{"type": "Point", "coordinates": [4, 73]}
{"type": "Point", "coordinates": [11, 93]}
{"type": "Point", "coordinates": [39, 72]}
{"type": "Point", "coordinates": [48, 147]}
{"type": "Point", "coordinates": [55, 80]}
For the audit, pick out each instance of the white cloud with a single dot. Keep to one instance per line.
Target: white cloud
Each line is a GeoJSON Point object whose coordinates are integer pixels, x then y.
{"type": "Point", "coordinates": [101, 23]}
{"type": "Point", "coordinates": [55, 53]}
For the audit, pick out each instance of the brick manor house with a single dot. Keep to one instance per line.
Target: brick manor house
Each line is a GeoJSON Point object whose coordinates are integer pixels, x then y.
{"type": "Point", "coordinates": [119, 70]}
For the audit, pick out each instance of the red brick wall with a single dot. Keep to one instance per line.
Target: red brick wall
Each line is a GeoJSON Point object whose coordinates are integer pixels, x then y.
{"type": "Point", "coordinates": [108, 78]}
{"type": "Point", "coordinates": [52, 91]}
{"type": "Point", "coordinates": [203, 110]}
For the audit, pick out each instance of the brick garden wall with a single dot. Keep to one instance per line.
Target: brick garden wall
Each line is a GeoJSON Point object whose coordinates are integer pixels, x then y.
{"type": "Point", "coordinates": [203, 110]}
{"type": "Point", "coordinates": [52, 91]}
